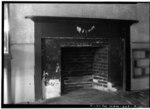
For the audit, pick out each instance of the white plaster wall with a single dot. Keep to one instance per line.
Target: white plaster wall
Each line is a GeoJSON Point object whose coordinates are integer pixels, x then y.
{"type": "Point", "coordinates": [22, 50]}
{"type": "Point", "coordinates": [22, 34]}
{"type": "Point", "coordinates": [5, 86]}
{"type": "Point", "coordinates": [21, 29]}
{"type": "Point", "coordinates": [22, 73]}
{"type": "Point", "coordinates": [141, 83]}
{"type": "Point", "coordinates": [86, 10]}
{"type": "Point", "coordinates": [140, 31]}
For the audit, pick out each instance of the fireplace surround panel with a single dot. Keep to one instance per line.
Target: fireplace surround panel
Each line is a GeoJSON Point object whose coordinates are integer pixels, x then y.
{"type": "Point", "coordinates": [84, 62]}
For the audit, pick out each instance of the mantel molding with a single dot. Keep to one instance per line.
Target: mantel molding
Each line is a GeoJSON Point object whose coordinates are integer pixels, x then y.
{"type": "Point", "coordinates": [78, 19]}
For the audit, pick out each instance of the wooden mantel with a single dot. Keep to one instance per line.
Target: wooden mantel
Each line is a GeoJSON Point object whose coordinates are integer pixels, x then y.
{"type": "Point", "coordinates": [66, 27]}
{"type": "Point", "coordinates": [78, 19]}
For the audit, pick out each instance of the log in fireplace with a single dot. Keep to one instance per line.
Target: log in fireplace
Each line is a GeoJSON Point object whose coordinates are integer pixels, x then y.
{"type": "Point", "coordinates": [82, 52]}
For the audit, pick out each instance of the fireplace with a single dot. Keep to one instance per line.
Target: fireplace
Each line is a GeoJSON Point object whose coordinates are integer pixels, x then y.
{"type": "Point", "coordinates": [84, 63]}
{"type": "Point", "coordinates": [82, 52]}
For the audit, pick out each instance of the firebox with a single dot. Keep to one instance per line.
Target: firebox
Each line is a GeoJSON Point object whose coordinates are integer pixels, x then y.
{"type": "Point", "coordinates": [77, 67]}
{"type": "Point", "coordinates": [78, 53]}
{"type": "Point", "coordinates": [83, 67]}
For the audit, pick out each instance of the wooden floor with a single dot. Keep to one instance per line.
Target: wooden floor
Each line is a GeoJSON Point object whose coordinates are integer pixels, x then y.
{"type": "Point", "coordinates": [93, 96]}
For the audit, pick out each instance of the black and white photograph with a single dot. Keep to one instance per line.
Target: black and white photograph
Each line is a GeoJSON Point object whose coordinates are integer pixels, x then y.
{"type": "Point", "coordinates": [75, 54]}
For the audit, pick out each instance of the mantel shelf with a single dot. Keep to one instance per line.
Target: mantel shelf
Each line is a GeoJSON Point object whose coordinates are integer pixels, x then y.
{"type": "Point", "coordinates": [79, 19]}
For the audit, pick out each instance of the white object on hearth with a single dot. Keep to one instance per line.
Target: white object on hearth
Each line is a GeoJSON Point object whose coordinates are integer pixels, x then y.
{"type": "Point", "coordinates": [110, 88]}
{"type": "Point", "coordinates": [53, 88]}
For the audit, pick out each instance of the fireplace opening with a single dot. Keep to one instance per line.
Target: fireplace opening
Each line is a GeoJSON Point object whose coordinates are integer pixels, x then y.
{"type": "Point", "coordinates": [91, 67]}
{"type": "Point", "coordinates": [77, 67]}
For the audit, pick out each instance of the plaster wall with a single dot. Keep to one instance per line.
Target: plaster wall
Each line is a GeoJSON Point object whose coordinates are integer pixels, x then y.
{"type": "Point", "coordinates": [5, 86]}
{"type": "Point", "coordinates": [22, 35]}
{"type": "Point", "coordinates": [22, 73]}
{"type": "Point", "coordinates": [140, 33]}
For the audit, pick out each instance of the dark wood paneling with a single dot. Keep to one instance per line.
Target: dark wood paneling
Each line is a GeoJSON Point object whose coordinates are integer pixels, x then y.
{"type": "Point", "coordinates": [127, 58]}
{"type": "Point", "coordinates": [116, 63]}
{"type": "Point", "coordinates": [63, 29]}
{"type": "Point", "coordinates": [38, 70]}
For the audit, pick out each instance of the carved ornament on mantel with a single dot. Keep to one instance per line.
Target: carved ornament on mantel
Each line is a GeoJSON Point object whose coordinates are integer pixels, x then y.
{"type": "Point", "coordinates": [85, 31]}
